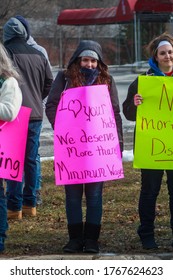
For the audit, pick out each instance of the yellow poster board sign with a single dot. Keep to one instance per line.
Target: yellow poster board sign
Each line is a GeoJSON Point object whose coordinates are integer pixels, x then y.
{"type": "Point", "coordinates": [154, 124]}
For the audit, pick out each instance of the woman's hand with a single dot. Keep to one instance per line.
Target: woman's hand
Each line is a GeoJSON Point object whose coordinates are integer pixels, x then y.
{"type": "Point", "coordinates": [138, 99]}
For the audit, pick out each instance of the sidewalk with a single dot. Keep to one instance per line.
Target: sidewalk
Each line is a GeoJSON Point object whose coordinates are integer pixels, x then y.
{"type": "Point", "coordinates": [146, 256]}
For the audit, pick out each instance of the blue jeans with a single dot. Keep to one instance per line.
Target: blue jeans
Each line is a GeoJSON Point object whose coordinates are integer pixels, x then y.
{"type": "Point", "coordinates": [93, 194]}
{"type": "Point", "coordinates": [151, 184]}
{"type": "Point", "coordinates": [39, 176]}
{"type": "Point", "coordinates": [19, 193]}
{"type": "Point", "coordinates": [3, 211]}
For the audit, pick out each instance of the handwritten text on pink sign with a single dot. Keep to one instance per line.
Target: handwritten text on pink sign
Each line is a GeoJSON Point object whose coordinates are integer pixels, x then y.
{"type": "Point", "coordinates": [86, 144]}
{"type": "Point", "coordinates": [13, 137]}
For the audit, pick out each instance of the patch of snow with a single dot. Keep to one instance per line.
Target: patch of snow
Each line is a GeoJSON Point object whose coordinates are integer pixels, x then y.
{"type": "Point", "coordinates": [128, 155]}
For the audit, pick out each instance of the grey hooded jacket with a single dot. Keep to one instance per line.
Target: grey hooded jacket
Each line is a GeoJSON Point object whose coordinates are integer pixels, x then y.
{"type": "Point", "coordinates": [34, 44]}
{"type": "Point", "coordinates": [36, 75]}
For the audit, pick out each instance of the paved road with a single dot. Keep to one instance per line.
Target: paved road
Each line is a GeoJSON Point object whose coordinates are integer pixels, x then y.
{"type": "Point", "coordinates": [122, 79]}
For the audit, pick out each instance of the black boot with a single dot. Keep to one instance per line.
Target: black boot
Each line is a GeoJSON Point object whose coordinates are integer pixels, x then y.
{"type": "Point", "coordinates": [75, 243]}
{"type": "Point", "coordinates": [91, 236]}
{"type": "Point", "coordinates": [148, 240]}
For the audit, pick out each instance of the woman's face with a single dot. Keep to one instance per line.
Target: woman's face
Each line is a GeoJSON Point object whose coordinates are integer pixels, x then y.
{"type": "Point", "coordinates": [164, 58]}
{"type": "Point", "coordinates": [88, 62]}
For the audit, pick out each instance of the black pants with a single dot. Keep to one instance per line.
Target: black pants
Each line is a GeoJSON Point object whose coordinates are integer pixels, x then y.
{"type": "Point", "coordinates": [151, 183]}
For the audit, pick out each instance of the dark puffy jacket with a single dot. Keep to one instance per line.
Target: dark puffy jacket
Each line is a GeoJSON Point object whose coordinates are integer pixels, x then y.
{"type": "Point", "coordinates": [129, 109]}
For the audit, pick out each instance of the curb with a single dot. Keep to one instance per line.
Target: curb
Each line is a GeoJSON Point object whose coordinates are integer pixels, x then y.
{"type": "Point", "coordinates": [150, 256]}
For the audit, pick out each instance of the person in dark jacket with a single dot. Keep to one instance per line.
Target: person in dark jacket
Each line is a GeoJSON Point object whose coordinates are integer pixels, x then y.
{"type": "Point", "coordinates": [85, 68]}
{"type": "Point", "coordinates": [35, 85]}
{"type": "Point", "coordinates": [33, 43]}
{"type": "Point", "coordinates": [160, 50]}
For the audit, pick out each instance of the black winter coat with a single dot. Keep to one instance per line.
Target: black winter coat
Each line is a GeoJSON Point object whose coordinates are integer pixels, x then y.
{"type": "Point", "coordinates": [36, 75]}
{"type": "Point", "coordinates": [129, 109]}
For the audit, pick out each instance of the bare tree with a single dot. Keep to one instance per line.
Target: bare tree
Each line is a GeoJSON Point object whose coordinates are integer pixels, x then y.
{"type": "Point", "coordinates": [42, 16]}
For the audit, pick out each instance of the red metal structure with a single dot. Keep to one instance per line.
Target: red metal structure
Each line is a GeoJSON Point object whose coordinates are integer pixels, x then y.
{"type": "Point", "coordinates": [120, 14]}
{"type": "Point", "coordinates": [135, 11]}
{"type": "Point", "coordinates": [154, 6]}
{"type": "Point", "coordinates": [125, 11]}
{"type": "Point", "coordinates": [87, 16]}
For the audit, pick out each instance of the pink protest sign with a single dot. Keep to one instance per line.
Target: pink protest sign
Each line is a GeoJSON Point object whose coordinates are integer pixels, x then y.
{"type": "Point", "coordinates": [86, 145]}
{"type": "Point", "coordinates": [13, 137]}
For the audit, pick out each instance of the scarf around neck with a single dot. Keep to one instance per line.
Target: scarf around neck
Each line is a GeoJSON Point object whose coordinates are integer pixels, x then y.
{"type": "Point", "coordinates": [155, 68]}
{"type": "Point", "coordinates": [90, 75]}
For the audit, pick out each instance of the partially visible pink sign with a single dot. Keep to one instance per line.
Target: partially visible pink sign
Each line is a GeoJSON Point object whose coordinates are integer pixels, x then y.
{"type": "Point", "coordinates": [13, 137]}
{"type": "Point", "coordinates": [86, 145]}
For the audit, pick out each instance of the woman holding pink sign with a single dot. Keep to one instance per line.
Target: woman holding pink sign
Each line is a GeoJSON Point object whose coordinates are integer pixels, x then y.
{"type": "Point", "coordinates": [10, 103]}
{"type": "Point", "coordinates": [160, 50]}
{"type": "Point", "coordinates": [85, 68]}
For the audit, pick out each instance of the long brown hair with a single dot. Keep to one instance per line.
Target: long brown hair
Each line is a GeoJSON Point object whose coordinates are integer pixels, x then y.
{"type": "Point", "coordinates": [151, 49]}
{"type": "Point", "coordinates": [77, 78]}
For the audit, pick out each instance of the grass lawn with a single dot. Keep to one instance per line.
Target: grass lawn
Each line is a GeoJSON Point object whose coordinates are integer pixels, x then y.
{"type": "Point", "coordinates": [47, 233]}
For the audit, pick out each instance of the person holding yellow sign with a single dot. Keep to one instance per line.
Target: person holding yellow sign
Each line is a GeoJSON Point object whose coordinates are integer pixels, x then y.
{"type": "Point", "coordinates": [160, 50]}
